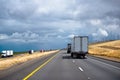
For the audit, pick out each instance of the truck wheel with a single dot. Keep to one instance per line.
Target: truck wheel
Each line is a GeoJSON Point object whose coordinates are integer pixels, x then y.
{"type": "Point", "coordinates": [83, 56]}
{"type": "Point", "coordinates": [3, 56]}
{"type": "Point", "coordinates": [71, 54]}
{"type": "Point", "coordinates": [79, 56]}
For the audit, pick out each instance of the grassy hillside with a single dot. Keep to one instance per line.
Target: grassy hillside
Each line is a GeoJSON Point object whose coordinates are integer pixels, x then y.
{"type": "Point", "coordinates": [109, 49]}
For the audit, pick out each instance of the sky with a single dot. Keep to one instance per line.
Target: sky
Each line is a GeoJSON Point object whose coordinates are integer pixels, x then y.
{"type": "Point", "coordinates": [50, 24]}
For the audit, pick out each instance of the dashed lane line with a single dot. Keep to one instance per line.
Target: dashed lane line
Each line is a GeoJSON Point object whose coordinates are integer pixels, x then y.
{"type": "Point", "coordinates": [80, 69]}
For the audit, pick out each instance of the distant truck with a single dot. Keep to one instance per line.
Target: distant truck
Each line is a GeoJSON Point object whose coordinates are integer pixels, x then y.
{"type": "Point", "coordinates": [79, 46]}
{"type": "Point", "coordinates": [31, 51]}
{"type": "Point", "coordinates": [7, 53]}
{"type": "Point", "coordinates": [69, 48]}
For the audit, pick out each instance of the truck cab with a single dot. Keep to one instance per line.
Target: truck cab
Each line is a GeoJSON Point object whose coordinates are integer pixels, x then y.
{"type": "Point", "coordinates": [69, 48]}
{"type": "Point", "coordinates": [3, 55]}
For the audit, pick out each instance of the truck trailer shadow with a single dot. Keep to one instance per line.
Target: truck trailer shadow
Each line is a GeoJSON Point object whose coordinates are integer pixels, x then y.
{"type": "Point", "coordinates": [69, 57]}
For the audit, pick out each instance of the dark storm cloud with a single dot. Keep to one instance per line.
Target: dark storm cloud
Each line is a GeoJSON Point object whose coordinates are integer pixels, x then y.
{"type": "Point", "coordinates": [44, 21]}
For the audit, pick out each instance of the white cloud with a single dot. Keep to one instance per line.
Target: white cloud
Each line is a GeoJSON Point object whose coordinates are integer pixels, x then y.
{"type": "Point", "coordinates": [3, 36]}
{"type": "Point", "coordinates": [113, 27]}
{"type": "Point", "coordinates": [96, 22]}
{"type": "Point", "coordinates": [59, 36]}
{"type": "Point", "coordinates": [21, 37]}
{"type": "Point", "coordinates": [42, 11]}
{"type": "Point", "coordinates": [94, 34]}
{"type": "Point", "coordinates": [100, 33]}
{"type": "Point", "coordinates": [71, 35]}
{"type": "Point", "coordinates": [25, 35]}
{"type": "Point", "coordinates": [31, 37]}
{"type": "Point", "coordinates": [103, 32]}
{"type": "Point", "coordinates": [61, 30]}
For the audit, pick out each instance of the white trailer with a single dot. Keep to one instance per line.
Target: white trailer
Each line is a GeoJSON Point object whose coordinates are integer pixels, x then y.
{"type": "Point", "coordinates": [6, 53]}
{"type": "Point", "coordinates": [79, 46]}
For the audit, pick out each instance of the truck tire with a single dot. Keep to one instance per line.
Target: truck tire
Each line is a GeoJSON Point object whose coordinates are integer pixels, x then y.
{"type": "Point", "coordinates": [72, 55]}
{"type": "Point", "coordinates": [83, 56]}
{"type": "Point", "coordinates": [78, 56]}
{"type": "Point", "coordinates": [2, 56]}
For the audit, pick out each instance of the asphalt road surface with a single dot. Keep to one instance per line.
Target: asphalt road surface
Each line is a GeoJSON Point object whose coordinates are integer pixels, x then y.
{"type": "Point", "coordinates": [61, 66]}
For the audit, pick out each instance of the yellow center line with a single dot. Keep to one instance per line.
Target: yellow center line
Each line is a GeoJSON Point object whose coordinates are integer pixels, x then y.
{"type": "Point", "coordinates": [33, 72]}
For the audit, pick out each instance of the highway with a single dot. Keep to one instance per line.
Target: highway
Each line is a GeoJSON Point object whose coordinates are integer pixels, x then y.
{"type": "Point", "coordinates": [61, 66]}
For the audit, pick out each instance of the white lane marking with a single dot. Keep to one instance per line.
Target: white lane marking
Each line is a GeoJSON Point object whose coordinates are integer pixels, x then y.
{"type": "Point", "coordinates": [73, 61]}
{"type": "Point", "coordinates": [105, 63]}
{"type": "Point", "coordinates": [88, 77]}
{"type": "Point", "coordinates": [80, 69]}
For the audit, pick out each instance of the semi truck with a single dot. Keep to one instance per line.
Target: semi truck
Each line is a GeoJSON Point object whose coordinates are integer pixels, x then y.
{"type": "Point", "coordinates": [68, 48]}
{"type": "Point", "coordinates": [79, 47]}
{"type": "Point", "coordinates": [31, 51]}
{"type": "Point", "coordinates": [6, 53]}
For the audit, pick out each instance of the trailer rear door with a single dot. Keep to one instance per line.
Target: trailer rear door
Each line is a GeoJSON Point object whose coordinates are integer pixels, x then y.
{"type": "Point", "coordinates": [85, 44]}
{"type": "Point", "coordinates": [77, 44]}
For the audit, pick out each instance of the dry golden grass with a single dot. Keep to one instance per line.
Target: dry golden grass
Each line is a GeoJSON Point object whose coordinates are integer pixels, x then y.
{"type": "Point", "coordinates": [8, 62]}
{"type": "Point", "coordinates": [109, 49]}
